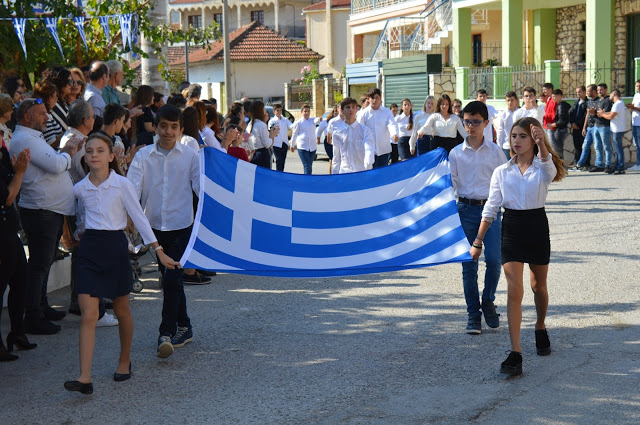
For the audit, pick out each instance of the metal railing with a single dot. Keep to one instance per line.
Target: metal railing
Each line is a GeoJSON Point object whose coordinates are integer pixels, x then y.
{"type": "Point", "coordinates": [358, 6]}
{"type": "Point", "coordinates": [299, 94]}
{"type": "Point", "coordinates": [335, 92]}
{"type": "Point", "coordinates": [515, 78]}
{"type": "Point", "coordinates": [576, 75]}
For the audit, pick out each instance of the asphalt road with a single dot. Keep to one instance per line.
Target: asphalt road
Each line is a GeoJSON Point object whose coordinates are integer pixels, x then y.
{"type": "Point", "coordinates": [378, 349]}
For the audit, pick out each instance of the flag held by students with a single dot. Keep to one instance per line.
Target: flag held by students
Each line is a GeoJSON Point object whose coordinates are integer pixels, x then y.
{"type": "Point", "coordinates": [256, 221]}
{"type": "Point", "coordinates": [52, 26]}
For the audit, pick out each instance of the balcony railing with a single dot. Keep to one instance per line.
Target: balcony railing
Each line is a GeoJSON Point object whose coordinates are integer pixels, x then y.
{"type": "Point", "coordinates": [358, 6]}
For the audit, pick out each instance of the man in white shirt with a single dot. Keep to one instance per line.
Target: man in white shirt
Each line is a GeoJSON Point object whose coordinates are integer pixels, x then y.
{"type": "Point", "coordinates": [281, 141]}
{"type": "Point", "coordinates": [353, 144]}
{"type": "Point", "coordinates": [45, 198]}
{"type": "Point", "coordinates": [530, 108]}
{"type": "Point", "coordinates": [303, 138]}
{"type": "Point", "coordinates": [382, 124]}
{"type": "Point", "coordinates": [635, 125]}
{"type": "Point", "coordinates": [472, 165]}
{"type": "Point", "coordinates": [618, 125]}
{"type": "Point", "coordinates": [99, 78]}
{"type": "Point", "coordinates": [505, 122]}
{"type": "Point", "coordinates": [165, 175]}
{"type": "Point", "coordinates": [481, 96]}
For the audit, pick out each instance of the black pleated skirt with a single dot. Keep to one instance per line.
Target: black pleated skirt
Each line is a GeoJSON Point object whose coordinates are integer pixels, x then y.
{"type": "Point", "coordinates": [104, 269]}
{"type": "Point", "coordinates": [447, 143]}
{"type": "Point", "coordinates": [525, 236]}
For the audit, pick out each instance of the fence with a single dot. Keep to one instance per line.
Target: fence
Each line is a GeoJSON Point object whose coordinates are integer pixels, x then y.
{"type": "Point", "coordinates": [334, 92]}
{"type": "Point", "coordinates": [616, 78]}
{"type": "Point", "coordinates": [298, 95]}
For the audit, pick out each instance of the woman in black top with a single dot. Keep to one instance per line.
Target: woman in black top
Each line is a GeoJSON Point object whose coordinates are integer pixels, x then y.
{"type": "Point", "coordinates": [143, 125]}
{"type": "Point", "coordinates": [61, 78]}
{"type": "Point", "coordinates": [13, 263]}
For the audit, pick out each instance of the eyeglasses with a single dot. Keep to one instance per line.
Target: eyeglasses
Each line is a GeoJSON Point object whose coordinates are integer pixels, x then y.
{"type": "Point", "coordinates": [32, 102]}
{"type": "Point", "coordinates": [472, 123]}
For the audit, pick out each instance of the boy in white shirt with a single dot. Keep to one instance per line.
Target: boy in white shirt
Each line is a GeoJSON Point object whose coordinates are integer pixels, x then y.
{"type": "Point", "coordinates": [505, 122]}
{"type": "Point", "coordinates": [167, 200]}
{"type": "Point", "coordinates": [618, 124]}
{"type": "Point", "coordinates": [481, 96]}
{"type": "Point", "coordinates": [382, 124]}
{"type": "Point", "coordinates": [353, 144]}
{"type": "Point", "coordinates": [530, 107]}
{"type": "Point", "coordinates": [303, 138]}
{"type": "Point", "coordinates": [281, 141]}
{"type": "Point", "coordinates": [472, 165]}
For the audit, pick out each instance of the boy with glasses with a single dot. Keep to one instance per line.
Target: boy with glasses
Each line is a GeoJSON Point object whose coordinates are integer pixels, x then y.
{"type": "Point", "coordinates": [472, 165]}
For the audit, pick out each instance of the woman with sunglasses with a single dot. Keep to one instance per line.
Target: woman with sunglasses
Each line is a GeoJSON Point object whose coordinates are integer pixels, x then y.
{"type": "Point", "coordinates": [77, 87]}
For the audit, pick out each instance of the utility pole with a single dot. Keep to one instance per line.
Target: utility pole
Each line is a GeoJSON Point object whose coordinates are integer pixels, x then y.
{"type": "Point", "coordinates": [227, 60]}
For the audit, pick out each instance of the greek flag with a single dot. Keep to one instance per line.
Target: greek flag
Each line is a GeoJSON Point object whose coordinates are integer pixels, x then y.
{"type": "Point", "coordinates": [19, 24]}
{"type": "Point", "coordinates": [251, 220]}
{"type": "Point", "coordinates": [78, 21]}
{"type": "Point", "coordinates": [104, 22]}
{"type": "Point", "coordinates": [125, 29]}
{"type": "Point", "coordinates": [52, 26]}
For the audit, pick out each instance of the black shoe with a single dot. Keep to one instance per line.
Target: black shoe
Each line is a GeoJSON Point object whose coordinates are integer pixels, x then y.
{"type": "Point", "coordinates": [119, 377]}
{"type": "Point", "coordinates": [41, 327]}
{"type": "Point", "coordinates": [60, 254]}
{"type": "Point", "coordinates": [5, 356]}
{"type": "Point", "coordinates": [75, 310]}
{"type": "Point", "coordinates": [608, 170]}
{"type": "Point", "coordinates": [618, 172]}
{"type": "Point", "coordinates": [79, 386]}
{"type": "Point", "coordinates": [52, 314]}
{"type": "Point", "coordinates": [195, 279]}
{"type": "Point", "coordinates": [19, 341]}
{"type": "Point", "coordinates": [595, 169]}
{"type": "Point", "coordinates": [513, 365]}
{"type": "Point", "coordinates": [490, 315]}
{"type": "Point", "coordinates": [543, 345]}
{"type": "Point", "coordinates": [206, 273]}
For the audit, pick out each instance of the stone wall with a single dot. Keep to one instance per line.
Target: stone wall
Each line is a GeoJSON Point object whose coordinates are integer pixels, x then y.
{"type": "Point", "coordinates": [630, 153]}
{"type": "Point", "coordinates": [442, 83]}
{"type": "Point", "coordinates": [570, 39]}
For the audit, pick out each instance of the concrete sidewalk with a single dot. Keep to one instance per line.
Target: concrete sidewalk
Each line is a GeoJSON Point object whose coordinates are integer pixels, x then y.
{"type": "Point", "coordinates": [378, 349]}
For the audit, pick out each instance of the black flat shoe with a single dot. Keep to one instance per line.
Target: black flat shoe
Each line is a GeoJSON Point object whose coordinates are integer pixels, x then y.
{"type": "Point", "coordinates": [53, 314]}
{"type": "Point", "coordinates": [79, 386]}
{"type": "Point", "coordinates": [513, 365]}
{"type": "Point", "coordinates": [5, 356]}
{"type": "Point", "coordinates": [19, 341]}
{"type": "Point", "coordinates": [543, 346]}
{"type": "Point", "coordinates": [41, 327]}
{"type": "Point", "coordinates": [119, 377]}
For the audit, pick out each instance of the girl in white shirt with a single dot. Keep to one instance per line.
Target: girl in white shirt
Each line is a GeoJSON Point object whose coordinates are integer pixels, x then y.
{"type": "Point", "coordinates": [444, 126]}
{"type": "Point", "coordinates": [521, 186]}
{"type": "Point", "coordinates": [422, 144]}
{"type": "Point", "coordinates": [405, 129]}
{"type": "Point", "coordinates": [261, 137]}
{"type": "Point", "coordinates": [104, 269]}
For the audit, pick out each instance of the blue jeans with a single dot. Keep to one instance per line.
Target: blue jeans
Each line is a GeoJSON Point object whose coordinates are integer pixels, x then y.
{"type": "Point", "coordinates": [307, 158]}
{"type": "Point", "coordinates": [281, 155]}
{"type": "Point", "coordinates": [635, 131]}
{"type": "Point", "coordinates": [617, 145]}
{"type": "Point", "coordinates": [556, 138]}
{"type": "Point", "coordinates": [381, 160]}
{"type": "Point", "coordinates": [470, 216]}
{"type": "Point", "coordinates": [603, 138]}
{"type": "Point", "coordinates": [586, 147]}
{"type": "Point", "coordinates": [174, 303]}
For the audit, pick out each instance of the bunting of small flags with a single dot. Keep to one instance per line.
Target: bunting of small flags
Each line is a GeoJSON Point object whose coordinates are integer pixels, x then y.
{"type": "Point", "coordinates": [52, 26]}
{"type": "Point", "coordinates": [79, 23]}
{"type": "Point", "coordinates": [125, 28]}
{"type": "Point", "coordinates": [20, 24]}
{"type": "Point", "coordinates": [104, 21]}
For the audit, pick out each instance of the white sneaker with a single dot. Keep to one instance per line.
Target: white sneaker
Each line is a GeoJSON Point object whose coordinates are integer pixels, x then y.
{"type": "Point", "coordinates": [634, 168]}
{"type": "Point", "coordinates": [107, 320]}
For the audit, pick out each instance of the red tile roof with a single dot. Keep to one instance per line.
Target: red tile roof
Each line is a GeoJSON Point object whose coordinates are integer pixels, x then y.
{"type": "Point", "coordinates": [252, 42]}
{"type": "Point", "coordinates": [335, 4]}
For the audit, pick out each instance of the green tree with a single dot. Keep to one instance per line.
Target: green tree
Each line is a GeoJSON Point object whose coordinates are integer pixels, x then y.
{"type": "Point", "coordinates": [42, 51]}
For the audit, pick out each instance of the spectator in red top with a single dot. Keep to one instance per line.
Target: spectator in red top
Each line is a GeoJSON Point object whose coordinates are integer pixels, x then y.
{"type": "Point", "coordinates": [549, 109]}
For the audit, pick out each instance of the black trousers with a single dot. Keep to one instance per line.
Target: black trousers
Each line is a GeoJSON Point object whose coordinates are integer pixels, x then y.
{"type": "Point", "coordinates": [13, 273]}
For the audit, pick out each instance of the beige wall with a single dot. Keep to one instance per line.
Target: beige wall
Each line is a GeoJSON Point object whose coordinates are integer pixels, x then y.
{"type": "Point", "coordinates": [317, 40]}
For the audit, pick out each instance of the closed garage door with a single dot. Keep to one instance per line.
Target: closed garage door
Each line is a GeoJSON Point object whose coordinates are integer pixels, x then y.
{"type": "Point", "coordinates": [412, 86]}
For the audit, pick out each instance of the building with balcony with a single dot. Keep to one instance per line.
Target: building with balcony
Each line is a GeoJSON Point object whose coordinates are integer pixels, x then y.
{"type": "Point", "coordinates": [283, 16]}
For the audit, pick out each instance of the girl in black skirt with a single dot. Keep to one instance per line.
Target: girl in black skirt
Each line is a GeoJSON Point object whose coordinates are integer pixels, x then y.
{"type": "Point", "coordinates": [521, 186]}
{"type": "Point", "coordinates": [104, 269]}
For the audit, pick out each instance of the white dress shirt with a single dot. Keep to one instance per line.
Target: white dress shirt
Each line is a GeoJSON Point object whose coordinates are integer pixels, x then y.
{"type": "Point", "coordinates": [635, 115]}
{"type": "Point", "coordinates": [76, 171]}
{"type": "Point", "coordinates": [523, 112]}
{"type": "Point", "coordinates": [437, 125]}
{"type": "Point", "coordinates": [471, 169]}
{"type": "Point", "coordinates": [94, 96]}
{"type": "Point", "coordinates": [419, 120]}
{"type": "Point", "coordinates": [105, 207]}
{"type": "Point", "coordinates": [353, 148]}
{"type": "Point", "coordinates": [382, 125]}
{"type": "Point", "coordinates": [282, 138]}
{"type": "Point", "coordinates": [190, 141]}
{"type": "Point", "coordinates": [304, 134]}
{"type": "Point", "coordinates": [46, 184]}
{"type": "Point", "coordinates": [514, 190]}
{"type": "Point", "coordinates": [333, 122]}
{"type": "Point", "coordinates": [209, 138]}
{"type": "Point", "coordinates": [488, 130]}
{"type": "Point", "coordinates": [321, 131]}
{"type": "Point", "coordinates": [503, 128]}
{"type": "Point", "coordinates": [164, 184]}
{"type": "Point", "coordinates": [403, 122]}
{"type": "Point", "coordinates": [259, 135]}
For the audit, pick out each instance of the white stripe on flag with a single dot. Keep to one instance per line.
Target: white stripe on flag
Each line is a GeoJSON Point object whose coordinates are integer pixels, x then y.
{"type": "Point", "coordinates": [207, 263]}
{"type": "Point", "coordinates": [371, 230]}
{"type": "Point", "coordinates": [366, 198]}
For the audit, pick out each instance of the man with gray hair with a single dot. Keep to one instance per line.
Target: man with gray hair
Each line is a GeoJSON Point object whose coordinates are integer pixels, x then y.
{"type": "Point", "coordinates": [46, 197]}
{"type": "Point", "coordinates": [99, 78]}
{"type": "Point", "coordinates": [81, 120]}
{"type": "Point", "coordinates": [109, 93]}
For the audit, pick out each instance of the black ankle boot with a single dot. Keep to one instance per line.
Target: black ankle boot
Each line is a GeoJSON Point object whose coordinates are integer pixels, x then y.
{"type": "Point", "coordinates": [19, 341]}
{"type": "Point", "coordinates": [5, 356]}
{"type": "Point", "coordinates": [543, 345]}
{"type": "Point", "coordinates": [513, 365]}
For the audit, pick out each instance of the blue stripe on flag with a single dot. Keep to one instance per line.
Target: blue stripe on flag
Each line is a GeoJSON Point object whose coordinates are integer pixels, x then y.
{"type": "Point", "coordinates": [264, 235]}
{"type": "Point", "coordinates": [331, 220]}
{"type": "Point", "coordinates": [221, 215]}
{"type": "Point", "coordinates": [224, 161]}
